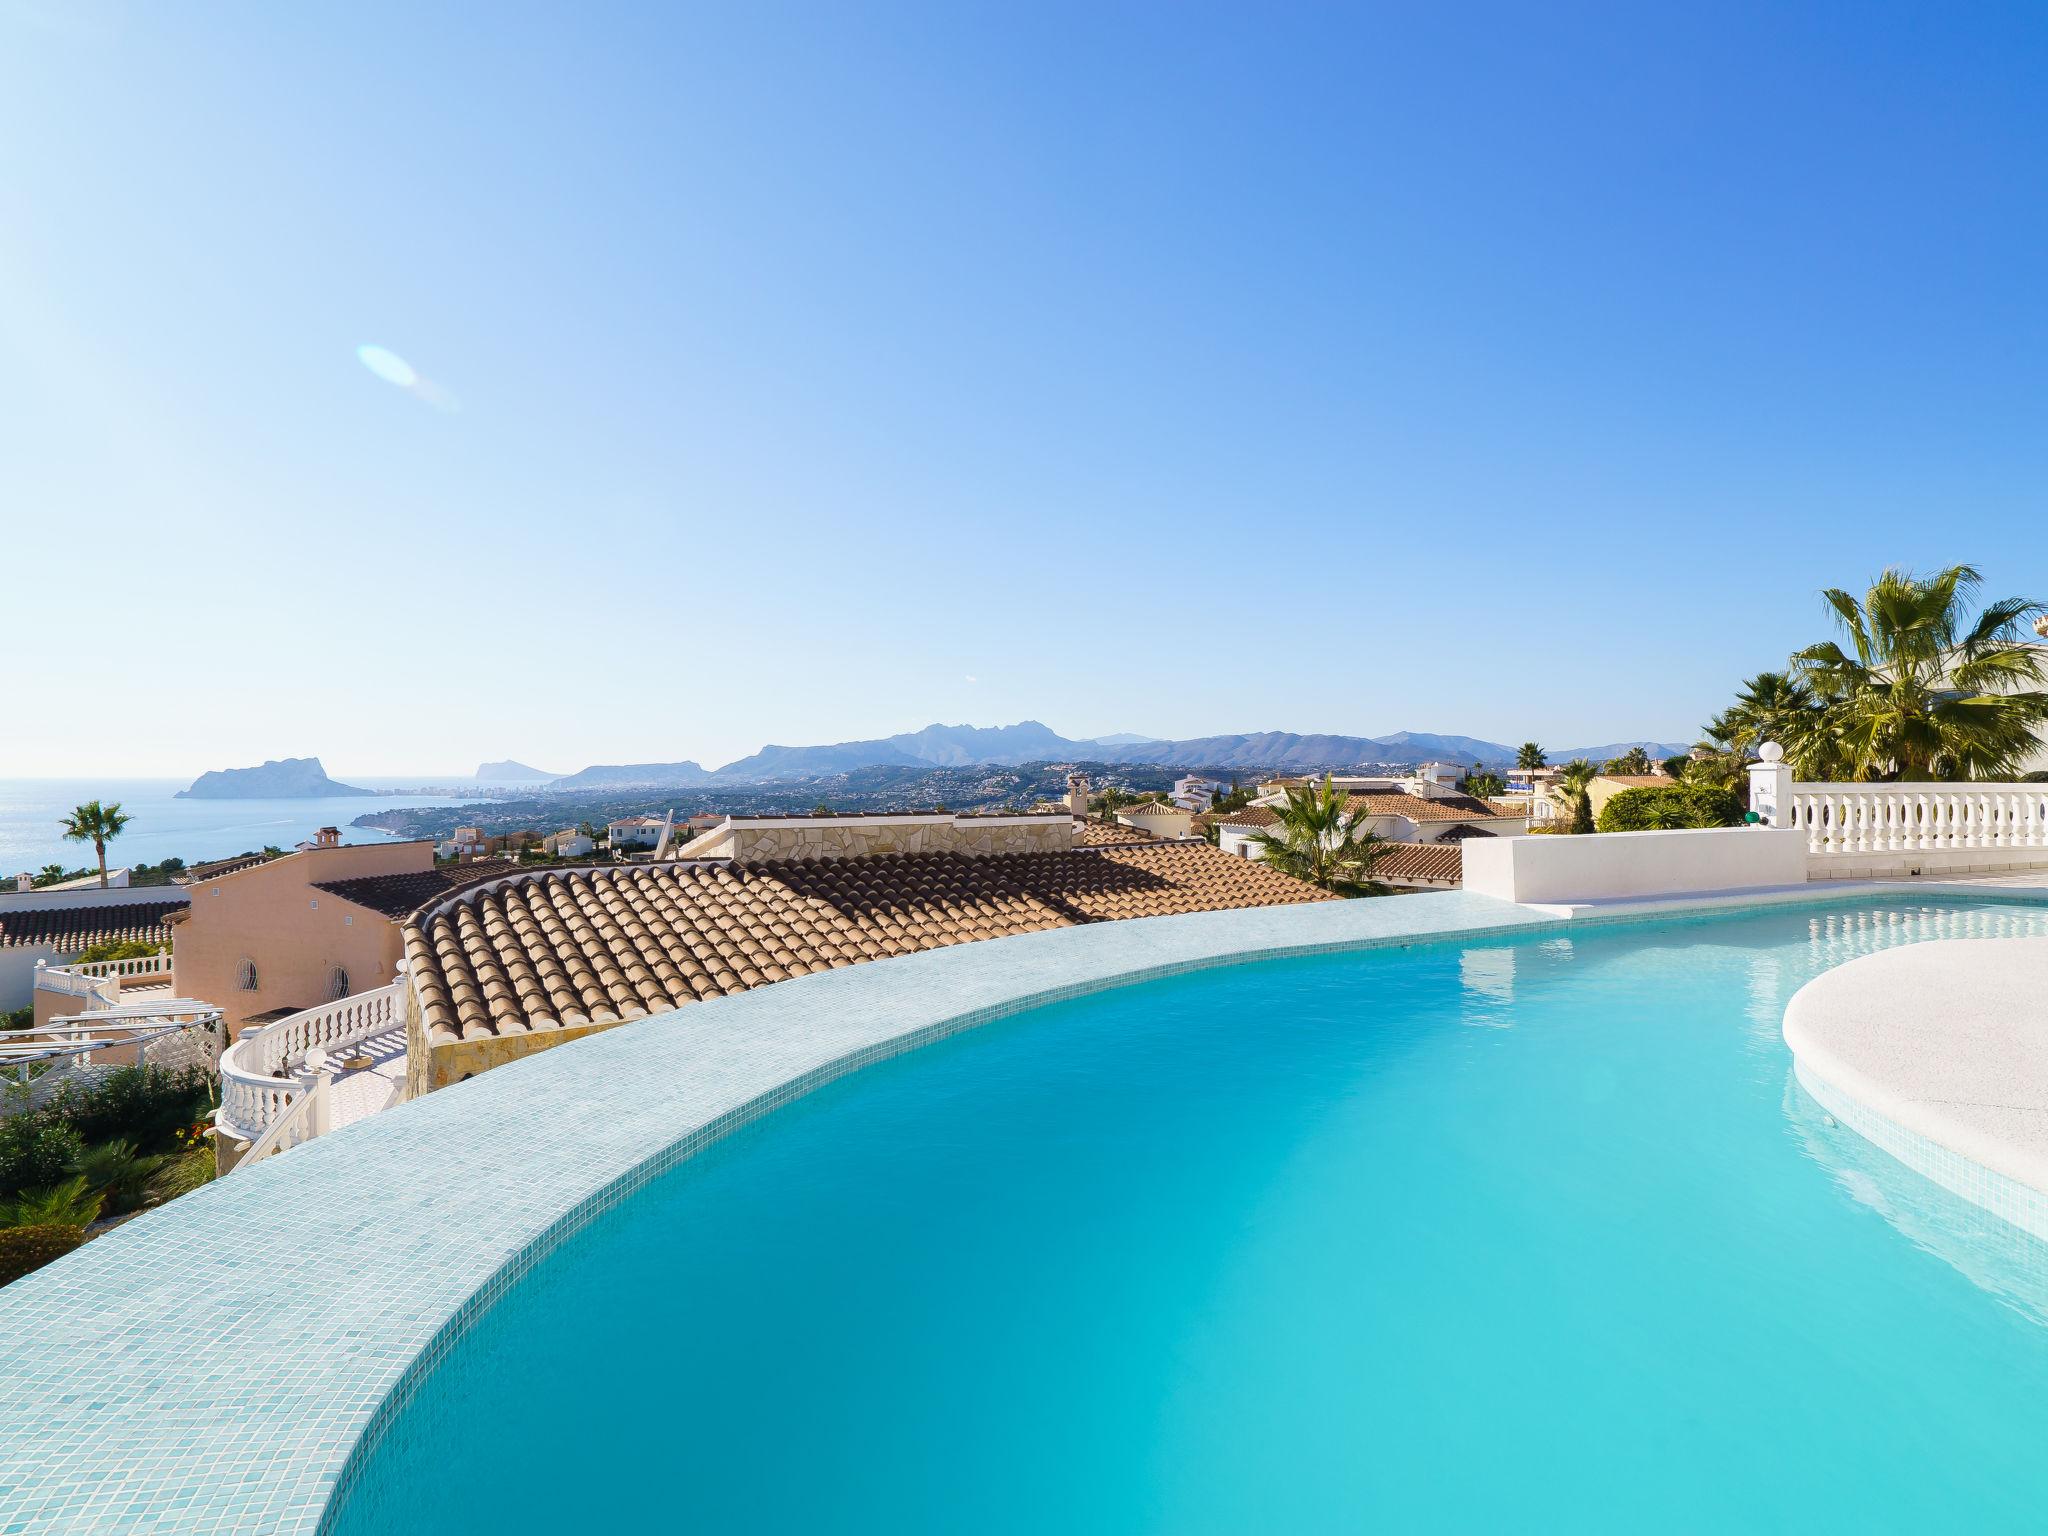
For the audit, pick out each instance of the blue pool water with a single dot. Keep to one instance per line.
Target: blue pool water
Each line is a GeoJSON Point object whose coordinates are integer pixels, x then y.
{"type": "Point", "coordinates": [1532, 1233]}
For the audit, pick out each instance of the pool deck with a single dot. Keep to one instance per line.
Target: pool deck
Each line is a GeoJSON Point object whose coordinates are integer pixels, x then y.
{"type": "Point", "coordinates": [220, 1365]}
{"type": "Point", "coordinates": [1936, 1052]}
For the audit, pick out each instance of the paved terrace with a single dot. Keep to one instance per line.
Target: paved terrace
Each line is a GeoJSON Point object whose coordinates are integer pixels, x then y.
{"type": "Point", "coordinates": [212, 1367]}
{"type": "Point", "coordinates": [1935, 1052]}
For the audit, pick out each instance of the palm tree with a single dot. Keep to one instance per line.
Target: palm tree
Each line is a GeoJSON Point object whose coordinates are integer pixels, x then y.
{"type": "Point", "coordinates": [1570, 785]}
{"type": "Point", "coordinates": [96, 824]}
{"type": "Point", "coordinates": [1772, 706]}
{"type": "Point", "coordinates": [1634, 760]}
{"type": "Point", "coordinates": [1531, 756]}
{"type": "Point", "coordinates": [1317, 839]}
{"type": "Point", "coordinates": [1930, 692]}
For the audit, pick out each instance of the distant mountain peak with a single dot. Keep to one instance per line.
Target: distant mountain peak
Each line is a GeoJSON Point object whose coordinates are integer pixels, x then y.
{"type": "Point", "coordinates": [511, 770]}
{"type": "Point", "coordinates": [284, 778]}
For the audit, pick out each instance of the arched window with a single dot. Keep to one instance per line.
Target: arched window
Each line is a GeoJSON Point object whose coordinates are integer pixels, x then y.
{"type": "Point", "coordinates": [337, 985]}
{"type": "Point", "coordinates": [245, 975]}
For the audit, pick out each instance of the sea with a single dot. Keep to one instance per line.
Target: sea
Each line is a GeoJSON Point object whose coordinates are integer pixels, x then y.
{"type": "Point", "coordinates": [161, 826]}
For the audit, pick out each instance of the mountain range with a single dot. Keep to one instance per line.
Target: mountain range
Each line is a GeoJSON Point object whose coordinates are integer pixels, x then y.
{"type": "Point", "coordinates": [1030, 741]}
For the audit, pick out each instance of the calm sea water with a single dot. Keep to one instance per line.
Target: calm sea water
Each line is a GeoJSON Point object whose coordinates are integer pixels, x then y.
{"type": "Point", "coordinates": [161, 826]}
{"type": "Point", "coordinates": [1525, 1235]}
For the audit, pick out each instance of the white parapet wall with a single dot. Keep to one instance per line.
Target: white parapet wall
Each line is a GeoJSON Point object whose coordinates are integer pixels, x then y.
{"type": "Point", "coordinates": [1562, 870]}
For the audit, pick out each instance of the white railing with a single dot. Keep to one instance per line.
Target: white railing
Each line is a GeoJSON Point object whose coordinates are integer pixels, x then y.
{"type": "Point", "coordinates": [67, 981]}
{"type": "Point", "coordinates": [102, 980]}
{"type": "Point", "coordinates": [139, 968]}
{"type": "Point", "coordinates": [1950, 820]}
{"type": "Point", "coordinates": [1896, 818]}
{"type": "Point", "coordinates": [303, 1119]}
{"type": "Point", "coordinates": [263, 1074]}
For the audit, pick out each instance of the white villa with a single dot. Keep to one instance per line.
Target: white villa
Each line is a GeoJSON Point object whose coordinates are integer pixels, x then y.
{"type": "Point", "coordinates": [637, 831]}
{"type": "Point", "coordinates": [1158, 819]}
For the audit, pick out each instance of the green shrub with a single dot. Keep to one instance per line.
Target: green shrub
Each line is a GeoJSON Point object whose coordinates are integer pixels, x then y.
{"type": "Point", "coordinates": [25, 1248]}
{"type": "Point", "coordinates": [184, 1173]}
{"type": "Point", "coordinates": [121, 1177]}
{"type": "Point", "coordinates": [73, 1203]}
{"type": "Point", "coordinates": [116, 949]}
{"type": "Point", "coordinates": [36, 1147]}
{"type": "Point", "coordinates": [140, 1104]}
{"type": "Point", "coordinates": [1658, 807]}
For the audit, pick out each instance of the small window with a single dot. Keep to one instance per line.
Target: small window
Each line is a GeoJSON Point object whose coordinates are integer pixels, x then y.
{"type": "Point", "coordinates": [245, 976]}
{"type": "Point", "coordinates": [337, 985]}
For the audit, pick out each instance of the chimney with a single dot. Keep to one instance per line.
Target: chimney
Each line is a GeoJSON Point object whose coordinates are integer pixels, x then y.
{"type": "Point", "coordinates": [1077, 795]}
{"type": "Point", "coordinates": [327, 837]}
{"type": "Point", "coordinates": [24, 882]}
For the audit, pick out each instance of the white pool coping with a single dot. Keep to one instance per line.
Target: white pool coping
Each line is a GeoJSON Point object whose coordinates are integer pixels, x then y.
{"type": "Point", "coordinates": [1938, 1052]}
{"type": "Point", "coordinates": [216, 1366]}
{"type": "Point", "coordinates": [211, 1367]}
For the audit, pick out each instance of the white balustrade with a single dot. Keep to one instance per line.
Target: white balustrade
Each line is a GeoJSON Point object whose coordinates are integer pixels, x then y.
{"type": "Point", "coordinates": [1895, 818]}
{"type": "Point", "coordinates": [138, 967]}
{"type": "Point", "coordinates": [101, 980]}
{"type": "Point", "coordinates": [263, 1074]}
{"type": "Point", "coordinates": [303, 1119]}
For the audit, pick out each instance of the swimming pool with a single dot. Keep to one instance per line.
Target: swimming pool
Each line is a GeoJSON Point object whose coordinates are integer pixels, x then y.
{"type": "Point", "coordinates": [1512, 1233]}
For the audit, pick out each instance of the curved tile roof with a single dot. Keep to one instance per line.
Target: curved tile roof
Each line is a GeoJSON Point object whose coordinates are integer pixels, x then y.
{"type": "Point", "coordinates": [398, 895]}
{"type": "Point", "coordinates": [1418, 808]}
{"type": "Point", "coordinates": [562, 950]}
{"type": "Point", "coordinates": [1419, 861]}
{"type": "Point", "coordinates": [1108, 834]}
{"type": "Point", "coordinates": [71, 929]}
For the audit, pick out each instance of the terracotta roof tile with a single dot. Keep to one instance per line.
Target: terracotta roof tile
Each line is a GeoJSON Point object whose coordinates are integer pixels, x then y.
{"type": "Point", "coordinates": [1419, 861]}
{"type": "Point", "coordinates": [396, 895]}
{"type": "Point", "coordinates": [1250, 816]}
{"type": "Point", "coordinates": [218, 867]}
{"type": "Point", "coordinates": [71, 929]}
{"type": "Point", "coordinates": [1106, 834]}
{"type": "Point", "coordinates": [560, 949]}
{"type": "Point", "coordinates": [1417, 808]}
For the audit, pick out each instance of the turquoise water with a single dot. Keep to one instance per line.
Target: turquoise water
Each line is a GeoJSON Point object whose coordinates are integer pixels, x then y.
{"type": "Point", "coordinates": [1524, 1234]}
{"type": "Point", "coordinates": [161, 826]}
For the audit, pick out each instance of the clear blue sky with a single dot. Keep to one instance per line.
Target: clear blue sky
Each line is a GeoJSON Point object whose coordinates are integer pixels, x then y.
{"type": "Point", "coordinates": [821, 371]}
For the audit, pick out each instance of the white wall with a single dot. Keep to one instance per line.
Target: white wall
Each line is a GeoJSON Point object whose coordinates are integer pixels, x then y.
{"type": "Point", "coordinates": [12, 900]}
{"type": "Point", "coordinates": [18, 973]}
{"type": "Point", "coordinates": [1608, 866]}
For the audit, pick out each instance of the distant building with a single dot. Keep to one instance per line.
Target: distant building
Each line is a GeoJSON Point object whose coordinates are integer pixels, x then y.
{"type": "Point", "coordinates": [1161, 820]}
{"type": "Point", "coordinates": [55, 927]}
{"type": "Point", "coordinates": [291, 933]}
{"type": "Point", "coordinates": [635, 831]}
{"type": "Point", "coordinates": [1420, 866]}
{"type": "Point", "coordinates": [567, 844]}
{"type": "Point", "coordinates": [1417, 813]}
{"type": "Point", "coordinates": [1195, 793]}
{"type": "Point", "coordinates": [116, 879]}
{"type": "Point", "coordinates": [1603, 787]}
{"type": "Point", "coordinates": [463, 843]}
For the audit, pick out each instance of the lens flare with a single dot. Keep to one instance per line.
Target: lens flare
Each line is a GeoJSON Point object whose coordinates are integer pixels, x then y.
{"type": "Point", "coordinates": [387, 365]}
